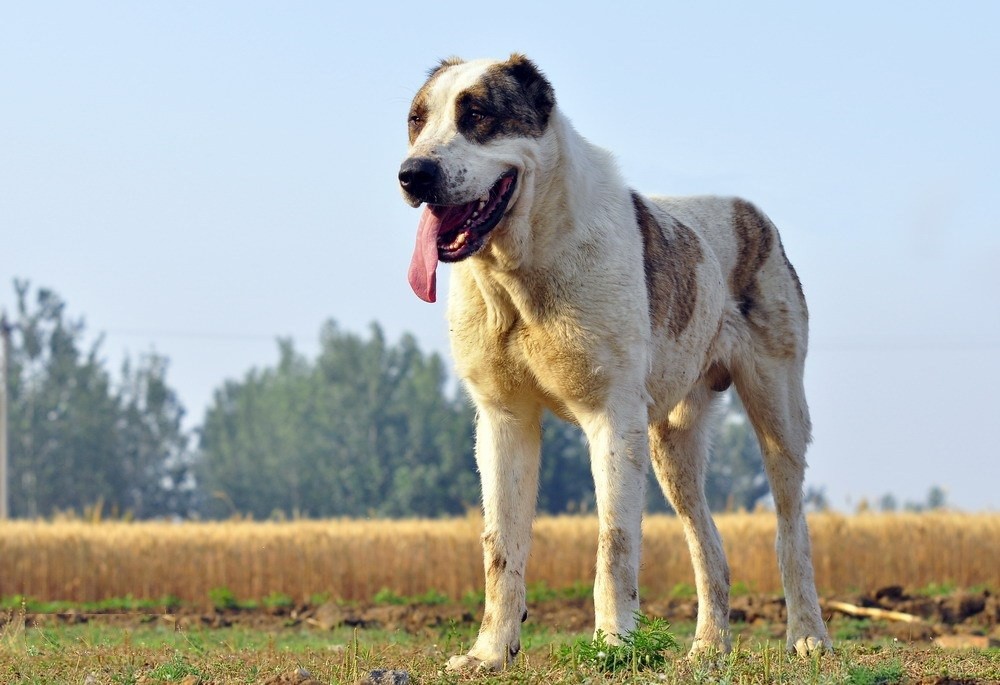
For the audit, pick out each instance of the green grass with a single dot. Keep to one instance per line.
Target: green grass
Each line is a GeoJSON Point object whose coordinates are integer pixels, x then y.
{"type": "Point", "coordinates": [159, 652]}
{"type": "Point", "coordinates": [541, 592]}
{"type": "Point", "coordinates": [120, 604]}
{"type": "Point", "coordinates": [645, 647]}
{"type": "Point", "coordinates": [883, 674]}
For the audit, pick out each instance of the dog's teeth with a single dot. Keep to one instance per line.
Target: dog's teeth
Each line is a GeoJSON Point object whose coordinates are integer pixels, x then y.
{"type": "Point", "coordinates": [482, 205]}
{"type": "Point", "coordinates": [483, 200]}
{"type": "Point", "coordinates": [475, 214]}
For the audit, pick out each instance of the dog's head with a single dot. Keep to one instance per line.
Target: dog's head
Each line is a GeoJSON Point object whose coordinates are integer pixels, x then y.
{"type": "Point", "coordinates": [476, 132]}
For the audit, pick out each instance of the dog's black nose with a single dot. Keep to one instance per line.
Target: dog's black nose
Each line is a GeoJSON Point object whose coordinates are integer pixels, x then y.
{"type": "Point", "coordinates": [419, 175]}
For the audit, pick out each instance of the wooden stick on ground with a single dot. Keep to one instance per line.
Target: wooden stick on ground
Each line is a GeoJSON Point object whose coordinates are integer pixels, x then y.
{"type": "Point", "coordinates": [871, 612]}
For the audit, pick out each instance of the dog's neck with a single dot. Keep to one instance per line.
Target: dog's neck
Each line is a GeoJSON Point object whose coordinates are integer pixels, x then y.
{"type": "Point", "coordinates": [555, 228]}
{"type": "Point", "coordinates": [560, 201]}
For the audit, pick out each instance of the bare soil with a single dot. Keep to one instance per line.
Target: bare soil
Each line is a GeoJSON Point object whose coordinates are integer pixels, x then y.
{"type": "Point", "coordinates": [959, 613]}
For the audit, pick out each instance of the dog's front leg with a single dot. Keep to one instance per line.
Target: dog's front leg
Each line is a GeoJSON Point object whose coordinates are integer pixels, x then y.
{"type": "Point", "coordinates": [619, 455]}
{"type": "Point", "coordinates": [508, 443]}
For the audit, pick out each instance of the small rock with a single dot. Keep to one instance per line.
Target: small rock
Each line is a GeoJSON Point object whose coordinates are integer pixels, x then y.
{"type": "Point", "coordinates": [966, 641]}
{"type": "Point", "coordinates": [299, 676]}
{"type": "Point", "coordinates": [329, 616]}
{"type": "Point", "coordinates": [383, 676]}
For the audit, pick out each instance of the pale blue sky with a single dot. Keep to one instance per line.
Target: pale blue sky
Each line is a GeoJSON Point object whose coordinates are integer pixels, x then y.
{"type": "Point", "coordinates": [198, 178]}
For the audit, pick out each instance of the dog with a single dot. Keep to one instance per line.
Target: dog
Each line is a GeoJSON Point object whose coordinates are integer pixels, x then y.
{"type": "Point", "coordinates": [627, 315]}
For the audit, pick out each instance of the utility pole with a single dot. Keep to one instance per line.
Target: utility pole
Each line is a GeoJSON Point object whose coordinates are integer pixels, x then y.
{"type": "Point", "coordinates": [5, 330]}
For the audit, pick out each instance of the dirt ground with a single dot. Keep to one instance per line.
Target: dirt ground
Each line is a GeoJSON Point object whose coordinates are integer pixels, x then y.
{"type": "Point", "coordinates": [969, 615]}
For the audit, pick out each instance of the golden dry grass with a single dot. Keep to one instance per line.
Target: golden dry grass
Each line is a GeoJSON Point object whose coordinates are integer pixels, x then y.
{"type": "Point", "coordinates": [80, 561]}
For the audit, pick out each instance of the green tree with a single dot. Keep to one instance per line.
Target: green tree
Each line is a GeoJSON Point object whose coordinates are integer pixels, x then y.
{"type": "Point", "coordinates": [75, 439]}
{"type": "Point", "coordinates": [565, 482]}
{"type": "Point", "coordinates": [152, 446]}
{"type": "Point", "coordinates": [365, 429]}
{"type": "Point", "coordinates": [62, 412]}
{"type": "Point", "coordinates": [735, 477]}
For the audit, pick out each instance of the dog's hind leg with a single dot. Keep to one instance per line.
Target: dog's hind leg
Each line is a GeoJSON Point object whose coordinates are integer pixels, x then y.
{"type": "Point", "coordinates": [679, 452]}
{"type": "Point", "coordinates": [508, 444]}
{"type": "Point", "coordinates": [772, 392]}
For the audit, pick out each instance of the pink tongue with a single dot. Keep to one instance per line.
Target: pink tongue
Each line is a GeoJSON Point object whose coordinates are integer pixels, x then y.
{"type": "Point", "coordinates": [422, 278]}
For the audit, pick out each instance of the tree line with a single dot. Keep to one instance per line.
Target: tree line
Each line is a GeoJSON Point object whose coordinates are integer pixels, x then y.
{"type": "Point", "coordinates": [367, 427]}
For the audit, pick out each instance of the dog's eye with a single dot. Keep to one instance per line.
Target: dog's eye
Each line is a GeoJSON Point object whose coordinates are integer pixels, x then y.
{"type": "Point", "coordinates": [416, 120]}
{"type": "Point", "coordinates": [477, 115]}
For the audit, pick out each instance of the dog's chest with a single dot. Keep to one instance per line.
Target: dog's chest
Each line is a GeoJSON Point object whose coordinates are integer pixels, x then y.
{"type": "Point", "coordinates": [504, 355]}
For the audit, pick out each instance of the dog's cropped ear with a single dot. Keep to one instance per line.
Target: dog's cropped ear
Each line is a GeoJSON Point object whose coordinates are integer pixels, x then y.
{"type": "Point", "coordinates": [535, 85]}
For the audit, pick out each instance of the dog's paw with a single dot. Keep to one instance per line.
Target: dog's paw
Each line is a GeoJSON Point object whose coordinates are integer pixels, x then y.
{"type": "Point", "coordinates": [466, 663]}
{"type": "Point", "coordinates": [470, 663]}
{"type": "Point", "coordinates": [808, 645]}
{"type": "Point", "coordinates": [704, 648]}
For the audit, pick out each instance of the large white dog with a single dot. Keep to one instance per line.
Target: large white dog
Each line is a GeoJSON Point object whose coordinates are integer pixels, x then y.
{"type": "Point", "coordinates": [624, 314]}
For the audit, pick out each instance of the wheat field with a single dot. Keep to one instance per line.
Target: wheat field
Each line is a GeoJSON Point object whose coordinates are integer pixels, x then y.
{"type": "Point", "coordinates": [353, 560]}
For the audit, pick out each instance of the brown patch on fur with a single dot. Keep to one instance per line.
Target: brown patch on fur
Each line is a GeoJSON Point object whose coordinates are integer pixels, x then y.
{"type": "Point", "coordinates": [669, 260]}
{"type": "Point", "coordinates": [512, 99]}
{"type": "Point", "coordinates": [418, 107]}
{"type": "Point", "coordinates": [615, 541]}
{"type": "Point", "coordinates": [615, 544]}
{"type": "Point", "coordinates": [497, 561]}
{"type": "Point", "coordinates": [754, 238]}
{"type": "Point", "coordinates": [773, 318]}
{"type": "Point", "coordinates": [498, 564]}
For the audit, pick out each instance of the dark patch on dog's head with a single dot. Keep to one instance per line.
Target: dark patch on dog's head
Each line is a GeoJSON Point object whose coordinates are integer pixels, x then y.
{"type": "Point", "coordinates": [418, 108]}
{"type": "Point", "coordinates": [754, 240]}
{"type": "Point", "coordinates": [512, 99]}
{"type": "Point", "coordinates": [670, 259]}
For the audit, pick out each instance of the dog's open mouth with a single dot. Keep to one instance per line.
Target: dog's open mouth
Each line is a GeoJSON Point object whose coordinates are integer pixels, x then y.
{"type": "Point", "coordinates": [464, 228]}
{"type": "Point", "coordinates": [450, 233]}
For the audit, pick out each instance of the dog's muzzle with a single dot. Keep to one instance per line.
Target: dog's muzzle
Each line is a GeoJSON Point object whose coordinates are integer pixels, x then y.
{"type": "Point", "coordinates": [419, 178]}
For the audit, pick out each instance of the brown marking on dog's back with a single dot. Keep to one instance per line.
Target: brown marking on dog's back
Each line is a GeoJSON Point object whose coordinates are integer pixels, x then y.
{"type": "Point", "coordinates": [670, 262]}
{"type": "Point", "coordinates": [754, 239]}
{"type": "Point", "coordinates": [773, 319]}
{"type": "Point", "coordinates": [512, 99]}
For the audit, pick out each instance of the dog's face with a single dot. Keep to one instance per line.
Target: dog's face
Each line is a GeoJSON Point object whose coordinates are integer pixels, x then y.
{"type": "Point", "coordinates": [475, 130]}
